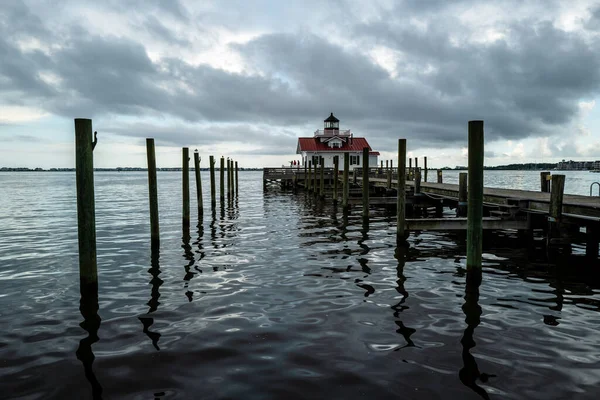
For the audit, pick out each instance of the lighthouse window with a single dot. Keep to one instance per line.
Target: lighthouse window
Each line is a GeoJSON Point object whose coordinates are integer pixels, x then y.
{"type": "Point", "coordinates": [354, 160]}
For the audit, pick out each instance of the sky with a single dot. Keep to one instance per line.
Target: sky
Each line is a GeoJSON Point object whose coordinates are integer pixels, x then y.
{"type": "Point", "coordinates": [244, 79]}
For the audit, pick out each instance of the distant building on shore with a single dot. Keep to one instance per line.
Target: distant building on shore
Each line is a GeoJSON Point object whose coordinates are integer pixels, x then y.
{"type": "Point", "coordinates": [578, 165]}
{"type": "Point", "coordinates": [330, 142]}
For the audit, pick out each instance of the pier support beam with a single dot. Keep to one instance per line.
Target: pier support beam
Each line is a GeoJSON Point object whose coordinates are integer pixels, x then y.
{"type": "Point", "coordinates": [475, 196]}
{"type": "Point", "coordinates": [591, 243]}
{"type": "Point", "coordinates": [198, 184]}
{"type": "Point", "coordinates": [322, 177]}
{"type": "Point", "coordinates": [461, 209]}
{"type": "Point", "coordinates": [336, 169]}
{"type": "Point", "coordinates": [401, 188]}
{"type": "Point", "coordinates": [410, 171]}
{"type": "Point", "coordinates": [365, 182]}
{"type": "Point", "coordinates": [425, 169]}
{"type": "Point", "coordinates": [236, 179]}
{"type": "Point", "coordinates": [222, 180]}
{"type": "Point", "coordinates": [308, 181]}
{"type": "Point", "coordinates": [185, 175]}
{"type": "Point", "coordinates": [440, 178]}
{"type": "Point", "coordinates": [153, 195]}
{"type": "Point", "coordinates": [213, 191]}
{"type": "Point", "coordinates": [346, 186]}
{"type": "Point", "coordinates": [86, 209]}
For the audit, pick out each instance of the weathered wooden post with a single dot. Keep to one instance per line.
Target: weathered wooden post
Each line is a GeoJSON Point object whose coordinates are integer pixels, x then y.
{"type": "Point", "coordinates": [365, 182]}
{"type": "Point", "coordinates": [555, 213]}
{"type": "Point", "coordinates": [387, 165]}
{"type": "Point", "coordinates": [86, 209]}
{"type": "Point", "coordinates": [545, 181]}
{"type": "Point", "coordinates": [592, 241]}
{"type": "Point", "coordinates": [309, 181]}
{"type": "Point", "coordinates": [475, 196]}
{"type": "Point", "coordinates": [439, 176]}
{"type": "Point", "coordinates": [198, 184]}
{"type": "Point", "coordinates": [461, 210]}
{"type": "Point", "coordinates": [222, 180]}
{"type": "Point", "coordinates": [305, 172]}
{"type": "Point", "coordinates": [401, 197]}
{"type": "Point", "coordinates": [410, 170]}
{"type": "Point", "coordinates": [416, 162]}
{"type": "Point", "coordinates": [153, 194]}
{"type": "Point", "coordinates": [417, 181]}
{"type": "Point", "coordinates": [316, 178]}
{"type": "Point", "coordinates": [556, 197]}
{"type": "Point", "coordinates": [228, 179]}
{"type": "Point", "coordinates": [389, 179]}
{"type": "Point", "coordinates": [391, 164]}
{"type": "Point", "coordinates": [237, 193]}
{"type": "Point", "coordinates": [425, 168]}
{"type": "Point", "coordinates": [336, 170]}
{"type": "Point", "coordinates": [346, 186]}
{"type": "Point", "coordinates": [186, 187]}
{"type": "Point", "coordinates": [322, 186]}
{"type": "Point", "coordinates": [213, 191]}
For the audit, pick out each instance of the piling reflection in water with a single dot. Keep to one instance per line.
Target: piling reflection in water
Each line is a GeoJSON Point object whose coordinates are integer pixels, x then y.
{"type": "Point", "coordinates": [406, 332]}
{"type": "Point", "coordinates": [470, 373]}
{"type": "Point", "coordinates": [153, 303]}
{"type": "Point", "coordinates": [88, 306]}
{"type": "Point", "coordinates": [188, 254]}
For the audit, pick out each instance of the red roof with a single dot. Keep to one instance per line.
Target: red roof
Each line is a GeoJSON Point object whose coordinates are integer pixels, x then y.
{"type": "Point", "coordinates": [355, 144]}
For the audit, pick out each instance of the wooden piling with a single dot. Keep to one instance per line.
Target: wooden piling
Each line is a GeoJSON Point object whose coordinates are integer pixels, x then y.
{"type": "Point", "coordinates": [322, 186]}
{"type": "Point", "coordinates": [346, 186]}
{"type": "Point", "coordinates": [198, 184]}
{"type": "Point", "coordinates": [316, 179]}
{"type": "Point", "coordinates": [228, 172]}
{"type": "Point", "coordinates": [387, 165]}
{"type": "Point", "coordinates": [236, 179]}
{"type": "Point", "coordinates": [545, 182]}
{"type": "Point", "coordinates": [475, 196]}
{"type": "Point", "coordinates": [439, 176]}
{"type": "Point", "coordinates": [410, 173]}
{"type": "Point", "coordinates": [416, 163]}
{"type": "Point", "coordinates": [461, 210]}
{"type": "Point", "coordinates": [389, 179]}
{"type": "Point", "coordinates": [592, 242]}
{"type": "Point", "coordinates": [213, 191]}
{"type": "Point", "coordinates": [153, 195]}
{"type": "Point", "coordinates": [186, 186]}
{"type": "Point", "coordinates": [417, 180]}
{"type": "Point", "coordinates": [365, 182]}
{"type": "Point", "coordinates": [400, 205]}
{"type": "Point", "coordinates": [556, 197]}
{"type": "Point", "coordinates": [336, 168]}
{"type": "Point", "coordinates": [309, 180]}
{"type": "Point", "coordinates": [222, 180]}
{"type": "Point", "coordinates": [425, 168]}
{"type": "Point", "coordinates": [86, 209]}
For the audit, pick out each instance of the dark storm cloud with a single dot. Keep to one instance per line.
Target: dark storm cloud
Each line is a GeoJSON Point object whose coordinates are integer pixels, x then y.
{"type": "Point", "coordinates": [525, 84]}
{"type": "Point", "coordinates": [269, 140]}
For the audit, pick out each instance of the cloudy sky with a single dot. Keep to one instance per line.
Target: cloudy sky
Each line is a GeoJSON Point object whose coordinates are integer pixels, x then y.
{"type": "Point", "coordinates": [246, 78]}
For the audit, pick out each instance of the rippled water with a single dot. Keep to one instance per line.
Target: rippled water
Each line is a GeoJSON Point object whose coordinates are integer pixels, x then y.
{"type": "Point", "coordinates": [277, 296]}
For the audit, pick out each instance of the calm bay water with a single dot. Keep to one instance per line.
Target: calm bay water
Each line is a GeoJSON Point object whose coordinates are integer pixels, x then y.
{"type": "Point", "coordinates": [279, 296]}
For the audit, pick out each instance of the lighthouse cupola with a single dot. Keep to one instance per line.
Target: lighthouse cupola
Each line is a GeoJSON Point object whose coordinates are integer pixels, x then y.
{"type": "Point", "coordinates": [332, 124]}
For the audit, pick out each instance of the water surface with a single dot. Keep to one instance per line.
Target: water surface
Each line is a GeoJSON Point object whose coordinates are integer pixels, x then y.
{"type": "Point", "coordinates": [278, 296]}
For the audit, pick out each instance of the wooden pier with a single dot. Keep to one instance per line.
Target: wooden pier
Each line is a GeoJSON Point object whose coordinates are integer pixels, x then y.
{"type": "Point", "coordinates": [504, 209]}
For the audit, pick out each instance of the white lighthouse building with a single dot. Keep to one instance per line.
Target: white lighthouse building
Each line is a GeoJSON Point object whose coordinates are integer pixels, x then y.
{"type": "Point", "coordinates": [330, 142]}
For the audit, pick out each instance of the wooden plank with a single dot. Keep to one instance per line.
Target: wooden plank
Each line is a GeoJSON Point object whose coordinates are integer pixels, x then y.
{"type": "Point", "coordinates": [453, 224]}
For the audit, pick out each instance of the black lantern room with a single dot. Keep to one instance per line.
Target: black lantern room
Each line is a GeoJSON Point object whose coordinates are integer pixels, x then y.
{"type": "Point", "coordinates": [332, 123]}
